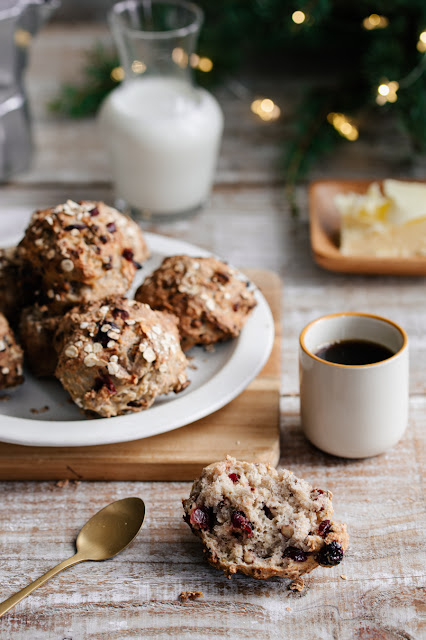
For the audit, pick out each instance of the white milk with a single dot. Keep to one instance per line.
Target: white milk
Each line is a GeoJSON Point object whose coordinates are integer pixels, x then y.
{"type": "Point", "coordinates": [163, 137]}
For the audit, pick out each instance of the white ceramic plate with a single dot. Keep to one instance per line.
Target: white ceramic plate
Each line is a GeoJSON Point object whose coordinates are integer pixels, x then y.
{"type": "Point", "coordinates": [217, 377]}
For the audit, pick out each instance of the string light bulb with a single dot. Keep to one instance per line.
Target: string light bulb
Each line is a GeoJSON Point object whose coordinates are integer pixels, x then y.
{"type": "Point", "coordinates": [117, 74]}
{"type": "Point", "coordinates": [194, 59]}
{"type": "Point", "coordinates": [298, 17]}
{"type": "Point", "coordinates": [205, 65]}
{"type": "Point", "coordinates": [386, 92]}
{"type": "Point", "coordinates": [266, 109]}
{"type": "Point", "coordinates": [202, 63]}
{"type": "Point", "coordinates": [344, 126]}
{"type": "Point", "coordinates": [22, 38]}
{"type": "Point", "coordinates": [180, 57]}
{"type": "Point", "coordinates": [374, 21]}
{"type": "Point", "coordinates": [421, 44]}
{"type": "Point", "coordinates": [138, 66]}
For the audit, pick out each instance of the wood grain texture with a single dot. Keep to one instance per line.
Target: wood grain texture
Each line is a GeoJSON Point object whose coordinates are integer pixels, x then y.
{"type": "Point", "coordinates": [247, 428]}
{"type": "Point", "coordinates": [136, 594]}
{"type": "Point", "coordinates": [382, 499]}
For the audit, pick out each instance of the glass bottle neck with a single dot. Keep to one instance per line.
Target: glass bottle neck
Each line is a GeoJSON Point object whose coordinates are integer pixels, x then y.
{"type": "Point", "coordinates": [155, 38]}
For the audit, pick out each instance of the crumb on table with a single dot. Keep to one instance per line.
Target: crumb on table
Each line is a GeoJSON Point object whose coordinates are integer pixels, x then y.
{"type": "Point", "coordinates": [66, 482]}
{"type": "Point", "coordinates": [190, 595]}
{"type": "Point", "coordinates": [297, 585]}
{"type": "Point", "coordinates": [5, 397]}
{"type": "Point", "coordinates": [42, 410]}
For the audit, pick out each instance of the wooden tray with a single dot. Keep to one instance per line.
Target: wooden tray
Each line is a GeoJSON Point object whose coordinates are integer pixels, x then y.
{"type": "Point", "coordinates": [247, 428]}
{"type": "Point", "coordinates": [325, 228]}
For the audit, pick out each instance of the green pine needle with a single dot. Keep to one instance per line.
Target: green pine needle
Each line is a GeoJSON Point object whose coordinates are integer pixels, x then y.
{"type": "Point", "coordinates": [260, 34]}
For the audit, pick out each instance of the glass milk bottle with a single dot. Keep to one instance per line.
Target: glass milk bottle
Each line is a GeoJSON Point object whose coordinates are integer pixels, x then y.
{"type": "Point", "coordinates": [162, 133]}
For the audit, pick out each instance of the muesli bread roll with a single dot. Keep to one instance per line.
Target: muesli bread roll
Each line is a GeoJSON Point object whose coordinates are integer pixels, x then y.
{"type": "Point", "coordinates": [262, 522]}
{"type": "Point", "coordinates": [211, 302]}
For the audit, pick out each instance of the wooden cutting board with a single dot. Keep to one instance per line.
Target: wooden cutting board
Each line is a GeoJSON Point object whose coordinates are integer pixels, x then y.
{"type": "Point", "coordinates": [247, 428]}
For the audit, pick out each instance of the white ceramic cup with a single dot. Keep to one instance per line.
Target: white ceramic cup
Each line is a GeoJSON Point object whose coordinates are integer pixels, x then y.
{"type": "Point", "coordinates": [354, 411]}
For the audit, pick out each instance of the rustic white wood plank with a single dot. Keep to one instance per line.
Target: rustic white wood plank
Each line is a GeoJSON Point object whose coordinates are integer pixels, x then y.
{"type": "Point", "coordinates": [247, 221]}
{"type": "Point", "coordinates": [135, 595]}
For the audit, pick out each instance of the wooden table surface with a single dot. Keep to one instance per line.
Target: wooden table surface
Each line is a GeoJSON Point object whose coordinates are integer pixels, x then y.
{"type": "Point", "coordinates": [382, 499]}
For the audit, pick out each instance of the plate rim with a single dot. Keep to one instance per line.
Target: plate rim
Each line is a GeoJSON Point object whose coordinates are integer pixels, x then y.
{"type": "Point", "coordinates": [332, 260]}
{"type": "Point", "coordinates": [252, 367]}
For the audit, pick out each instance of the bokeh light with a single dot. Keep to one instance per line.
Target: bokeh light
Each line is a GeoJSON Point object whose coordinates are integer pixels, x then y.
{"type": "Point", "coordinates": [117, 74]}
{"type": "Point", "coordinates": [298, 17]}
{"type": "Point", "coordinates": [266, 109]}
{"type": "Point", "coordinates": [344, 126]}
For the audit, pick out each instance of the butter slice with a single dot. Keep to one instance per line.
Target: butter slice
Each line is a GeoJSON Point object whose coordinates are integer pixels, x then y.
{"type": "Point", "coordinates": [364, 208]}
{"type": "Point", "coordinates": [388, 224]}
{"type": "Point", "coordinates": [408, 200]}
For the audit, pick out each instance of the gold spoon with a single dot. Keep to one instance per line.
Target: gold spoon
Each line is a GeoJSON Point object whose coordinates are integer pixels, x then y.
{"type": "Point", "coordinates": [107, 533]}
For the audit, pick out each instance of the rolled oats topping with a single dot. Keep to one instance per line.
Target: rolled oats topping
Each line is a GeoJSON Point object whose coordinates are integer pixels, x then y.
{"type": "Point", "coordinates": [76, 249]}
{"type": "Point", "coordinates": [124, 365]}
{"type": "Point", "coordinates": [11, 357]}
{"type": "Point", "coordinates": [67, 264]}
{"type": "Point", "coordinates": [71, 351]}
{"type": "Point", "coordinates": [149, 354]}
{"type": "Point", "coordinates": [210, 299]}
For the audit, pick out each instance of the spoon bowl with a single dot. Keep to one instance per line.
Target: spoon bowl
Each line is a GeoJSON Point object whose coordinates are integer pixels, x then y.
{"type": "Point", "coordinates": [107, 533]}
{"type": "Point", "coordinates": [111, 530]}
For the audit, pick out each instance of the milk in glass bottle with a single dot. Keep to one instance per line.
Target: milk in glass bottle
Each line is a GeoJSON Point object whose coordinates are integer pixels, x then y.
{"type": "Point", "coordinates": [162, 133]}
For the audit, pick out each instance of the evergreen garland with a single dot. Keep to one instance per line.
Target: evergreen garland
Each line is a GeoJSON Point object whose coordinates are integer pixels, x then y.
{"type": "Point", "coordinates": [241, 32]}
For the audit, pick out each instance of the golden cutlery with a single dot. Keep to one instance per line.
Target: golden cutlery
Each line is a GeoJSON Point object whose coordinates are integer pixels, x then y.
{"type": "Point", "coordinates": [107, 533]}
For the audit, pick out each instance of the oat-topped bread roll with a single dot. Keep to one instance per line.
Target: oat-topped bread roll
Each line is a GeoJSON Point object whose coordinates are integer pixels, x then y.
{"type": "Point", "coordinates": [11, 357]}
{"type": "Point", "coordinates": [117, 355]}
{"type": "Point", "coordinates": [211, 302]}
{"type": "Point", "coordinates": [37, 330]}
{"type": "Point", "coordinates": [262, 522]}
{"type": "Point", "coordinates": [82, 252]}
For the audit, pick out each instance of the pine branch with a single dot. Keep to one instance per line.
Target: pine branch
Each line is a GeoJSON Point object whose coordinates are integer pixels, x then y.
{"type": "Point", "coordinates": [84, 100]}
{"type": "Point", "coordinates": [257, 33]}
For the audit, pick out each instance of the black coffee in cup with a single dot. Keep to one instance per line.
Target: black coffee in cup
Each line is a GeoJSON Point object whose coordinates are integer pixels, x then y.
{"type": "Point", "coordinates": [354, 352]}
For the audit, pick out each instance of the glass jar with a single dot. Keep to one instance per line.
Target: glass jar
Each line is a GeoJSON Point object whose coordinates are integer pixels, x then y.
{"type": "Point", "coordinates": [19, 23]}
{"type": "Point", "coordinates": [162, 133]}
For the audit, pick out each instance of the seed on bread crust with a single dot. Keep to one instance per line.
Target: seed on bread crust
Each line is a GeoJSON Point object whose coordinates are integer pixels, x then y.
{"type": "Point", "coordinates": [11, 357]}
{"type": "Point", "coordinates": [110, 366]}
{"type": "Point", "coordinates": [210, 300]}
{"type": "Point", "coordinates": [80, 252]}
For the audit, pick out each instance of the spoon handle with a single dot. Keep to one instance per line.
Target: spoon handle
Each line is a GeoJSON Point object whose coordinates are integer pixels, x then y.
{"type": "Point", "coordinates": [23, 593]}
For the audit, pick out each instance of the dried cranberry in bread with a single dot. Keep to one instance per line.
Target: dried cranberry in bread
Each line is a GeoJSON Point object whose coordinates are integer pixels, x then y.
{"type": "Point", "coordinates": [262, 522]}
